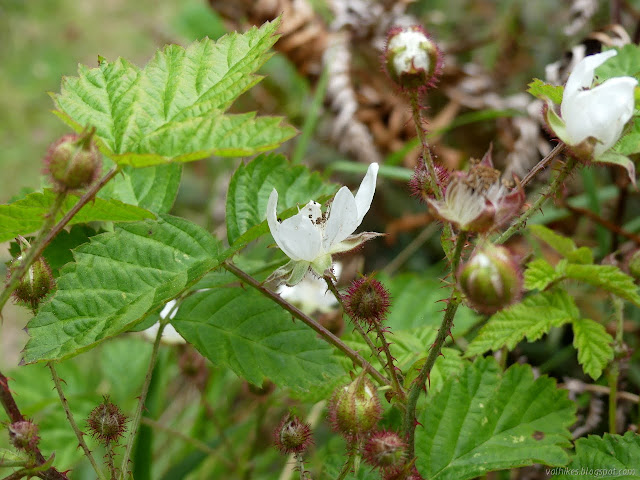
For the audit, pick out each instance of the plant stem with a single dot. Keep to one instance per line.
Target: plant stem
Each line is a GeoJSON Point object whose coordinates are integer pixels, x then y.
{"type": "Point", "coordinates": [614, 370]}
{"type": "Point", "coordinates": [542, 164]}
{"type": "Point", "coordinates": [356, 325]}
{"type": "Point", "coordinates": [203, 447]}
{"type": "Point", "coordinates": [549, 191]}
{"type": "Point", "coordinates": [47, 234]}
{"type": "Point", "coordinates": [110, 461]}
{"type": "Point", "coordinates": [300, 465]}
{"type": "Point", "coordinates": [72, 422]}
{"type": "Point", "coordinates": [390, 366]}
{"type": "Point", "coordinates": [137, 416]}
{"type": "Point", "coordinates": [14, 414]}
{"type": "Point", "coordinates": [319, 329]}
{"type": "Point", "coordinates": [347, 467]}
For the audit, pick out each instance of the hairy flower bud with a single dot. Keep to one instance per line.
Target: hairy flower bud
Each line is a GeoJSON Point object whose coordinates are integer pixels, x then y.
{"type": "Point", "coordinates": [490, 279]}
{"type": "Point", "coordinates": [420, 183]}
{"type": "Point", "coordinates": [355, 408]}
{"type": "Point", "coordinates": [292, 435]}
{"type": "Point", "coordinates": [411, 58]}
{"type": "Point", "coordinates": [23, 435]}
{"type": "Point", "coordinates": [106, 422]}
{"type": "Point", "coordinates": [36, 283]}
{"type": "Point", "coordinates": [367, 300]}
{"type": "Point", "coordinates": [73, 161]}
{"type": "Point", "coordinates": [385, 450]}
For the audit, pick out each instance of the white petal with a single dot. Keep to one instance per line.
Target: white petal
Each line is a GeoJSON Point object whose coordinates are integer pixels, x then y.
{"type": "Point", "coordinates": [343, 218]}
{"type": "Point", "coordinates": [582, 74]}
{"type": "Point", "coordinates": [274, 225]}
{"type": "Point", "coordinates": [300, 237]}
{"type": "Point", "coordinates": [366, 191]}
{"type": "Point", "coordinates": [169, 335]}
{"type": "Point", "coordinates": [168, 309]}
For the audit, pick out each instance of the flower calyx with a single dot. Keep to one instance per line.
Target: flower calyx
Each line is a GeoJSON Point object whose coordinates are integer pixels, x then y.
{"type": "Point", "coordinates": [355, 409]}
{"type": "Point", "coordinates": [477, 200]}
{"type": "Point", "coordinates": [312, 236]}
{"type": "Point", "coordinates": [36, 283]}
{"type": "Point", "coordinates": [74, 161]}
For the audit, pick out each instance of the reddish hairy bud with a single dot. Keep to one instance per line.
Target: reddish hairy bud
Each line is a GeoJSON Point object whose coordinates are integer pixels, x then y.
{"type": "Point", "coordinates": [367, 300]}
{"type": "Point", "coordinates": [23, 435]}
{"type": "Point", "coordinates": [106, 422]}
{"type": "Point", "coordinates": [292, 435]}
{"type": "Point", "coordinates": [355, 408]}
{"type": "Point", "coordinates": [36, 283]}
{"type": "Point", "coordinates": [73, 161]}
{"type": "Point", "coordinates": [385, 450]}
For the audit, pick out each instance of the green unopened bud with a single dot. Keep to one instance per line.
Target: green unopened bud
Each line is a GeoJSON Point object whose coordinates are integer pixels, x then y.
{"type": "Point", "coordinates": [490, 279]}
{"type": "Point", "coordinates": [412, 59]}
{"type": "Point", "coordinates": [355, 408]}
{"type": "Point", "coordinates": [73, 161]}
{"type": "Point", "coordinates": [36, 283]}
{"type": "Point", "coordinates": [385, 450]}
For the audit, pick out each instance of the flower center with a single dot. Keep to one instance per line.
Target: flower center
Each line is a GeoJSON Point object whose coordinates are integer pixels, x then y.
{"type": "Point", "coordinates": [314, 212]}
{"type": "Point", "coordinates": [481, 178]}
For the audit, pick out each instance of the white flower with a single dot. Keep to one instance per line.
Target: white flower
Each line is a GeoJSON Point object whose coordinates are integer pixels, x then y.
{"type": "Point", "coordinates": [311, 294]}
{"type": "Point", "coordinates": [600, 112]}
{"type": "Point", "coordinates": [310, 237]}
{"type": "Point", "coordinates": [412, 49]}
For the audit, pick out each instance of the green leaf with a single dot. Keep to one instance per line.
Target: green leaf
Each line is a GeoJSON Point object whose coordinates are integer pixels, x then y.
{"type": "Point", "coordinates": [607, 277]}
{"type": "Point", "coordinates": [544, 91]}
{"type": "Point", "coordinates": [612, 456]}
{"type": "Point", "coordinates": [540, 274]}
{"type": "Point", "coordinates": [153, 188]}
{"type": "Point", "coordinates": [630, 143]}
{"type": "Point", "coordinates": [486, 420]}
{"type": "Point", "coordinates": [247, 332]}
{"type": "Point", "coordinates": [563, 245]}
{"type": "Point", "coordinates": [594, 346]}
{"type": "Point", "coordinates": [531, 318]}
{"type": "Point", "coordinates": [174, 108]}
{"type": "Point", "coordinates": [26, 216]}
{"type": "Point", "coordinates": [611, 157]}
{"type": "Point", "coordinates": [117, 279]}
{"type": "Point", "coordinates": [252, 184]}
{"type": "Point", "coordinates": [449, 365]}
{"type": "Point", "coordinates": [625, 63]}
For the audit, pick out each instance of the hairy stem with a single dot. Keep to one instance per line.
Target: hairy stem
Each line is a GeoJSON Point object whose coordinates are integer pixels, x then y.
{"type": "Point", "coordinates": [542, 164]}
{"type": "Point", "coordinates": [390, 366]}
{"type": "Point", "coordinates": [67, 410]}
{"type": "Point", "coordinates": [47, 233]}
{"type": "Point", "coordinates": [319, 329]}
{"type": "Point", "coordinates": [548, 192]}
{"type": "Point", "coordinates": [347, 467]}
{"type": "Point", "coordinates": [110, 462]}
{"type": "Point", "coordinates": [137, 416]}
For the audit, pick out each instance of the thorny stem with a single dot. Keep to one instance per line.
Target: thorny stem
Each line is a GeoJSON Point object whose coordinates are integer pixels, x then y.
{"type": "Point", "coordinates": [14, 414]}
{"type": "Point", "coordinates": [110, 462]}
{"type": "Point", "coordinates": [137, 416]}
{"type": "Point", "coordinates": [300, 465]}
{"type": "Point", "coordinates": [444, 331]}
{"type": "Point", "coordinates": [614, 370]}
{"type": "Point", "coordinates": [356, 325]}
{"type": "Point", "coordinates": [542, 164]}
{"type": "Point", "coordinates": [45, 236]}
{"type": "Point", "coordinates": [391, 368]}
{"type": "Point", "coordinates": [348, 466]}
{"type": "Point", "coordinates": [319, 329]}
{"type": "Point", "coordinates": [549, 191]}
{"type": "Point", "coordinates": [72, 422]}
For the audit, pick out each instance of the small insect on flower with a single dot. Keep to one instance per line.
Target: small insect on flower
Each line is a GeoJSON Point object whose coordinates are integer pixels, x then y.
{"type": "Point", "coordinates": [477, 200]}
{"type": "Point", "coordinates": [312, 236]}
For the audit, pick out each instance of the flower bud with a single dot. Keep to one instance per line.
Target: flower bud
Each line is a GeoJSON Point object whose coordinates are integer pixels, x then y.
{"type": "Point", "coordinates": [367, 300]}
{"type": "Point", "coordinates": [292, 435]}
{"type": "Point", "coordinates": [106, 422]}
{"type": "Point", "coordinates": [23, 435]}
{"type": "Point", "coordinates": [420, 183]}
{"type": "Point", "coordinates": [412, 59]}
{"type": "Point", "coordinates": [355, 408]}
{"type": "Point", "coordinates": [490, 279]}
{"type": "Point", "coordinates": [36, 283]}
{"type": "Point", "coordinates": [73, 161]}
{"type": "Point", "coordinates": [385, 450]}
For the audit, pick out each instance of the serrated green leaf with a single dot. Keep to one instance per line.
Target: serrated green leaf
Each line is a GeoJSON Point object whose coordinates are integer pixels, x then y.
{"type": "Point", "coordinates": [543, 91]}
{"type": "Point", "coordinates": [117, 279]}
{"type": "Point", "coordinates": [531, 318]}
{"type": "Point", "coordinates": [243, 330]}
{"type": "Point", "coordinates": [539, 274]}
{"type": "Point", "coordinates": [26, 216]}
{"type": "Point", "coordinates": [252, 184]}
{"type": "Point", "coordinates": [624, 64]}
{"type": "Point", "coordinates": [611, 157]}
{"type": "Point", "coordinates": [594, 346]}
{"type": "Point", "coordinates": [477, 423]}
{"type": "Point", "coordinates": [174, 108]}
{"type": "Point", "coordinates": [607, 277]}
{"type": "Point", "coordinates": [612, 457]}
{"type": "Point", "coordinates": [153, 188]}
{"type": "Point", "coordinates": [629, 143]}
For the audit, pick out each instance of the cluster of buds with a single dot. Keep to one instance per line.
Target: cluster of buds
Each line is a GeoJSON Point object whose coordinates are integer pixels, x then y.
{"type": "Point", "coordinates": [354, 409]}
{"type": "Point", "coordinates": [367, 301]}
{"type": "Point", "coordinates": [106, 422]}
{"type": "Point", "coordinates": [35, 285]}
{"type": "Point", "coordinates": [412, 60]}
{"type": "Point", "coordinates": [73, 161]}
{"type": "Point", "coordinates": [477, 200]}
{"type": "Point", "coordinates": [292, 435]}
{"type": "Point", "coordinates": [490, 279]}
{"type": "Point", "coordinates": [23, 435]}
